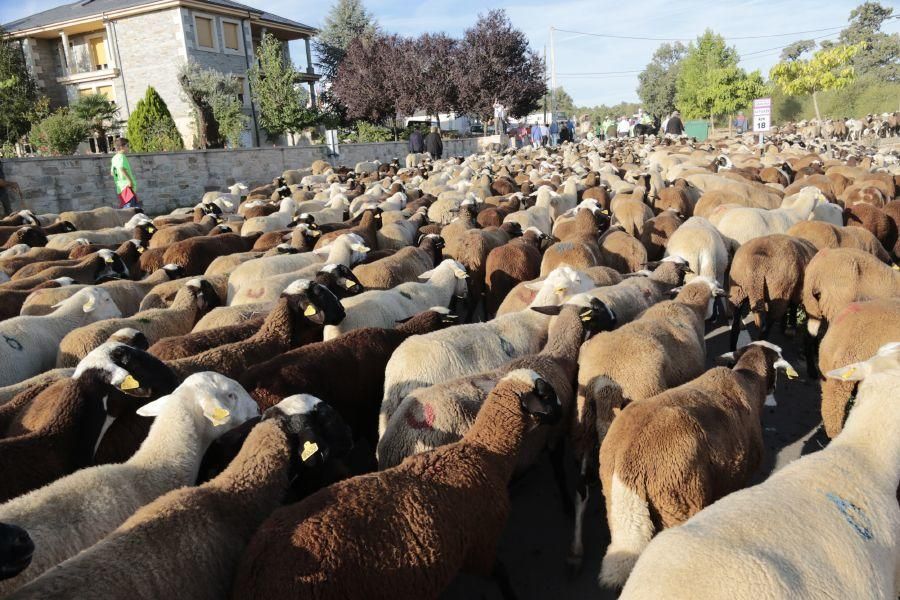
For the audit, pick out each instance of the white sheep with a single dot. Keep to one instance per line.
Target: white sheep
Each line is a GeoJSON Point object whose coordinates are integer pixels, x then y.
{"type": "Point", "coordinates": [826, 525]}
{"type": "Point", "coordinates": [255, 270]}
{"type": "Point", "coordinates": [30, 343]}
{"type": "Point", "coordinates": [699, 243]}
{"type": "Point", "coordinates": [112, 235]}
{"type": "Point", "coordinates": [384, 308]}
{"type": "Point", "coordinates": [277, 220]}
{"type": "Point", "coordinates": [346, 250]}
{"type": "Point", "coordinates": [737, 225]}
{"type": "Point", "coordinates": [439, 356]}
{"type": "Point", "coordinates": [76, 511]}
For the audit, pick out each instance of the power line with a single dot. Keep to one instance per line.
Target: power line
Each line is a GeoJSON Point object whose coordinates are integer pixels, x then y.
{"type": "Point", "coordinates": [662, 39]}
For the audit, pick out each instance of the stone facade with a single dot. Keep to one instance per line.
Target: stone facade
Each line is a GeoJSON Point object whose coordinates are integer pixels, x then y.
{"type": "Point", "coordinates": [151, 47]}
{"type": "Point", "coordinates": [176, 179]}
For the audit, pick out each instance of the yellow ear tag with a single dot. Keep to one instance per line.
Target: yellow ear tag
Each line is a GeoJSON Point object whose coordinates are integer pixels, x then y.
{"type": "Point", "coordinates": [848, 373]}
{"type": "Point", "coordinates": [310, 311]}
{"type": "Point", "coordinates": [895, 267]}
{"type": "Point", "coordinates": [586, 317]}
{"type": "Point", "coordinates": [129, 383]}
{"type": "Point", "coordinates": [349, 284]}
{"type": "Point", "coordinates": [219, 415]}
{"type": "Point", "coordinates": [109, 260]}
{"type": "Point", "coordinates": [314, 233]}
{"type": "Point", "coordinates": [151, 229]}
{"type": "Point", "coordinates": [140, 249]}
{"type": "Point", "coordinates": [309, 448]}
{"type": "Point", "coordinates": [791, 373]}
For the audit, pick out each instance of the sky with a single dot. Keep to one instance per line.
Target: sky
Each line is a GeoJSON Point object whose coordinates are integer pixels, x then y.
{"type": "Point", "coordinates": [594, 70]}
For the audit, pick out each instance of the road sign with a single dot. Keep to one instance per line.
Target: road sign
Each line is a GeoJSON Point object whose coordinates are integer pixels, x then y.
{"type": "Point", "coordinates": [762, 114]}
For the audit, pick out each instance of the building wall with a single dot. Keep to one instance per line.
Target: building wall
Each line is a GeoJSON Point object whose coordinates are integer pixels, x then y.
{"type": "Point", "coordinates": [219, 60]}
{"type": "Point", "coordinates": [42, 59]}
{"type": "Point", "coordinates": [175, 179]}
{"type": "Point", "coordinates": [151, 48]}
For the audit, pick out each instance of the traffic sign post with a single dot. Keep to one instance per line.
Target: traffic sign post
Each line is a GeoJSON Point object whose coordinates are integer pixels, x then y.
{"type": "Point", "coordinates": [762, 116]}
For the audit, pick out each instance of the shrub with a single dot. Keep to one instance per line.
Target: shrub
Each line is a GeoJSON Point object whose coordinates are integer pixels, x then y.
{"type": "Point", "coordinates": [151, 127]}
{"type": "Point", "coordinates": [369, 132]}
{"type": "Point", "coordinates": [60, 133]}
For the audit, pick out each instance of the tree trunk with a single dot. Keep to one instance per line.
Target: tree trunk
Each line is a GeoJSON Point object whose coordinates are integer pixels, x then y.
{"type": "Point", "coordinates": [816, 106]}
{"type": "Point", "coordinates": [394, 124]}
{"type": "Point", "coordinates": [730, 124]}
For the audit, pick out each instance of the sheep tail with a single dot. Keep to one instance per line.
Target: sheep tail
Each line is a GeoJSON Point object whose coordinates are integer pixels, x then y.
{"type": "Point", "coordinates": [631, 530]}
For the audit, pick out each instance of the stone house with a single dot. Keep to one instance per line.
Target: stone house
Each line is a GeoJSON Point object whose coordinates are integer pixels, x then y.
{"type": "Point", "coordinates": [120, 47]}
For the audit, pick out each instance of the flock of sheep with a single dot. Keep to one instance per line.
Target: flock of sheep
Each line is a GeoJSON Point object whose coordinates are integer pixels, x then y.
{"type": "Point", "coordinates": [322, 387]}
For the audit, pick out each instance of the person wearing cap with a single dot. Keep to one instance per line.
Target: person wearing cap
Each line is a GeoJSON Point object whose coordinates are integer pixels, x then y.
{"type": "Point", "coordinates": [674, 126]}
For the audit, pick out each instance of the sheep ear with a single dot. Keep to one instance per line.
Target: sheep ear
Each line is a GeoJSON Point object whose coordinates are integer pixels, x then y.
{"type": "Point", "coordinates": [534, 286]}
{"type": "Point", "coordinates": [90, 304]}
{"type": "Point", "coordinates": [787, 368]}
{"type": "Point", "coordinates": [214, 411]}
{"type": "Point", "coordinates": [427, 274]}
{"type": "Point", "coordinates": [359, 247]}
{"type": "Point", "coordinates": [547, 310]}
{"type": "Point", "coordinates": [152, 409]}
{"type": "Point", "coordinates": [726, 360]}
{"type": "Point", "coordinates": [852, 372]}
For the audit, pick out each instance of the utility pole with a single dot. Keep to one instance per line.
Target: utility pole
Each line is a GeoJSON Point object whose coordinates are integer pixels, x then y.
{"type": "Point", "coordinates": [552, 76]}
{"type": "Point", "coordinates": [545, 81]}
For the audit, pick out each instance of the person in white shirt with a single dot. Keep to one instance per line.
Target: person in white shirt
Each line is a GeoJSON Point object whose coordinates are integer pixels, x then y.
{"type": "Point", "coordinates": [623, 128]}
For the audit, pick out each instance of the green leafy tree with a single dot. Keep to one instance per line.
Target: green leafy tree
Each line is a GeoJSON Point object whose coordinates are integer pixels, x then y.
{"type": "Point", "coordinates": [735, 90]}
{"type": "Point", "coordinates": [560, 100]}
{"type": "Point", "coordinates": [704, 70]}
{"type": "Point", "coordinates": [657, 82]}
{"type": "Point", "coordinates": [797, 49]}
{"type": "Point", "coordinates": [60, 133]}
{"type": "Point", "coordinates": [277, 91]}
{"type": "Point", "coordinates": [18, 91]}
{"type": "Point", "coordinates": [151, 127]}
{"type": "Point", "coordinates": [881, 57]}
{"type": "Point", "coordinates": [346, 21]}
{"type": "Point", "coordinates": [218, 111]}
{"type": "Point", "coordinates": [828, 69]}
{"type": "Point", "coordinates": [101, 115]}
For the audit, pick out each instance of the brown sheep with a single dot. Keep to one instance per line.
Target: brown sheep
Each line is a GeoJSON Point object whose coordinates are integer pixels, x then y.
{"type": "Point", "coordinates": [621, 251]}
{"type": "Point", "coordinates": [767, 279]}
{"type": "Point", "coordinates": [825, 235]}
{"type": "Point", "coordinates": [598, 193]}
{"type": "Point", "coordinates": [667, 457]}
{"type": "Point", "coordinates": [31, 236]}
{"type": "Point", "coordinates": [675, 197]}
{"type": "Point", "coordinates": [892, 210]}
{"type": "Point", "coordinates": [875, 220]}
{"type": "Point", "coordinates": [176, 233]}
{"type": "Point", "coordinates": [835, 278]}
{"type": "Point", "coordinates": [449, 505]}
{"type": "Point", "coordinates": [369, 223]}
{"type": "Point", "coordinates": [855, 334]}
{"type": "Point", "coordinates": [493, 217]}
{"type": "Point", "coordinates": [657, 231]}
{"type": "Point", "coordinates": [472, 252]}
{"type": "Point", "coordinates": [823, 183]}
{"type": "Point", "coordinates": [194, 255]}
{"type": "Point", "coordinates": [512, 263]}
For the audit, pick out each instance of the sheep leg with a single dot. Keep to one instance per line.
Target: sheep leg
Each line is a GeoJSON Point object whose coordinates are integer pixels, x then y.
{"type": "Point", "coordinates": [737, 323]}
{"type": "Point", "coordinates": [557, 461]}
{"type": "Point", "coordinates": [501, 576]}
{"type": "Point", "coordinates": [576, 552]}
{"type": "Point", "coordinates": [809, 349]}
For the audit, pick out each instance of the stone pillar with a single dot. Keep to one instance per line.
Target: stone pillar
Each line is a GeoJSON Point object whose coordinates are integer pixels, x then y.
{"type": "Point", "coordinates": [110, 45]}
{"type": "Point", "coordinates": [312, 94]}
{"type": "Point", "coordinates": [70, 63]}
{"type": "Point", "coordinates": [309, 65]}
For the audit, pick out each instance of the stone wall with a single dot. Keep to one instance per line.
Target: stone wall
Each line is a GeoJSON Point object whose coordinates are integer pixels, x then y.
{"type": "Point", "coordinates": [175, 179]}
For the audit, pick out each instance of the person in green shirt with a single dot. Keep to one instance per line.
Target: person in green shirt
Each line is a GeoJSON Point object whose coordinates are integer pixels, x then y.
{"type": "Point", "coordinates": [123, 176]}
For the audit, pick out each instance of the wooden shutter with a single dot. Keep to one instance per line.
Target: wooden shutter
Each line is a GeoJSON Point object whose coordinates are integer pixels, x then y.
{"type": "Point", "coordinates": [98, 52]}
{"type": "Point", "coordinates": [204, 32]}
{"type": "Point", "coordinates": [230, 32]}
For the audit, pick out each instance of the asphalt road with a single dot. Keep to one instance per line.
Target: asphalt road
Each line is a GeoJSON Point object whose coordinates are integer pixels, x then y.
{"type": "Point", "coordinates": [537, 536]}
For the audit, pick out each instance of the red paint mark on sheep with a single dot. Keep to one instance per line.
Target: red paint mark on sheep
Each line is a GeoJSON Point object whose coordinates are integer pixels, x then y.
{"type": "Point", "coordinates": [255, 293]}
{"type": "Point", "coordinates": [426, 423]}
{"type": "Point", "coordinates": [851, 309]}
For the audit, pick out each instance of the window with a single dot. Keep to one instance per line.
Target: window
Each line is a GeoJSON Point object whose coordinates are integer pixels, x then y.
{"type": "Point", "coordinates": [231, 33]}
{"type": "Point", "coordinates": [97, 51]}
{"type": "Point", "coordinates": [85, 92]}
{"type": "Point", "coordinates": [203, 27]}
{"type": "Point", "coordinates": [107, 91]}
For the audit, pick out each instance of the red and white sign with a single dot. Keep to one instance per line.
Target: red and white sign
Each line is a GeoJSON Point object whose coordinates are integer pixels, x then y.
{"type": "Point", "coordinates": [762, 114]}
